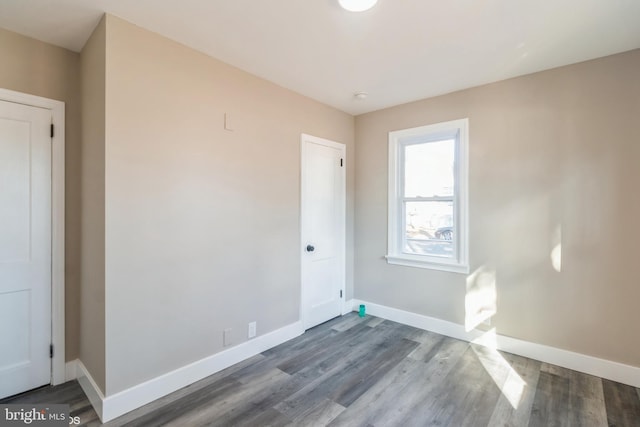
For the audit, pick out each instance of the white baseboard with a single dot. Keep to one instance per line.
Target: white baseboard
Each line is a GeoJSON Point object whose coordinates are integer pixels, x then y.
{"type": "Point", "coordinates": [90, 387]}
{"type": "Point", "coordinates": [113, 406]}
{"type": "Point", "coordinates": [347, 307]}
{"type": "Point", "coordinates": [614, 371]}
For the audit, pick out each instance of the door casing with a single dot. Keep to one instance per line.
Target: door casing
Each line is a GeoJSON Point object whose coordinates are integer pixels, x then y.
{"type": "Point", "coordinates": [57, 108]}
{"type": "Point", "coordinates": [342, 232]}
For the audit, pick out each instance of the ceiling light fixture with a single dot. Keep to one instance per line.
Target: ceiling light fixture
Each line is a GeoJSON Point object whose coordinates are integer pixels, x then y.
{"type": "Point", "coordinates": [357, 5]}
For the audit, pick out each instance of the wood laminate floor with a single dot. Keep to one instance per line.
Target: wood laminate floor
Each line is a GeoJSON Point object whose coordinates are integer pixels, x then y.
{"type": "Point", "coordinates": [374, 372]}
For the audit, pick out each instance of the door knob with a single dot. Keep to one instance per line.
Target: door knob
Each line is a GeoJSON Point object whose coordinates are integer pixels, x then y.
{"type": "Point", "coordinates": [310, 248]}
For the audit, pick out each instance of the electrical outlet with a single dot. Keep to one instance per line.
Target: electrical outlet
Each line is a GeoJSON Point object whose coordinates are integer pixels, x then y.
{"type": "Point", "coordinates": [226, 337]}
{"type": "Point", "coordinates": [487, 321]}
{"type": "Point", "coordinates": [252, 329]}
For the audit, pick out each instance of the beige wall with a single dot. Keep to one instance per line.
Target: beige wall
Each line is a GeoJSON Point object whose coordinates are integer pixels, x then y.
{"type": "Point", "coordinates": [202, 224]}
{"type": "Point", "coordinates": [92, 317]}
{"type": "Point", "coordinates": [37, 68]}
{"type": "Point", "coordinates": [553, 158]}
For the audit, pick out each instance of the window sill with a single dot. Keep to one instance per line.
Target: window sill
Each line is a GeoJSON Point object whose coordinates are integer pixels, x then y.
{"type": "Point", "coordinates": [412, 261]}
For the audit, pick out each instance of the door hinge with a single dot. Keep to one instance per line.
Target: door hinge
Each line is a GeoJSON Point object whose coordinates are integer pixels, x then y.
{"type": "Point", "coordinates": [341, 293]}
{"type": "Point", "coordinates": [51, 130]}
{"type": "Point", "coordinates": [50, 351]}
{"type": "Point", "coordinates": [341, 160]}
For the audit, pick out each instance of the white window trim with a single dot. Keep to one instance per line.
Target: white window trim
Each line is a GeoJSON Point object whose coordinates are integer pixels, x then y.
{"type": "Point", "coordinates": [395, 255]}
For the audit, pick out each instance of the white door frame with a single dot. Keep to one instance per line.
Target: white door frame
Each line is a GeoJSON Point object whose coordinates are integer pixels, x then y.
{"type": "Point", "coordinates": [343, 244]}
{"type": "Point", "coordinates": [57, 224]}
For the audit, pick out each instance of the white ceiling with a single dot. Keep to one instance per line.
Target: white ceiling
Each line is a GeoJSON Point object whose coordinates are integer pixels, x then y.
{"type": "Point", "coordinates": [399, 51]}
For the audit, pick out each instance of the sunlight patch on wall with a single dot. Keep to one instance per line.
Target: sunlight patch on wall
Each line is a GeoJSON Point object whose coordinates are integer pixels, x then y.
{"type": "Point", "coordinates": [556, 252]}
{"type": "Point", "coordinates": [511, 384]}
{"type": "Point", "coordinates": [480, 299]}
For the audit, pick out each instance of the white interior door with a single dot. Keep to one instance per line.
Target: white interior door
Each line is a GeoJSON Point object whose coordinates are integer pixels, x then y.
{"type": "Point", "coordinates": [323, 229]}
{"type": "Point", "coordinates": [25, 247]}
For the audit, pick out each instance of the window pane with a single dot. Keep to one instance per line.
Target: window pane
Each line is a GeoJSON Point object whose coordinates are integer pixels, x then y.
{"type": "Point", "coordinates": [429, 228]}
{"type": "Point", "coordinates": [428, 169]}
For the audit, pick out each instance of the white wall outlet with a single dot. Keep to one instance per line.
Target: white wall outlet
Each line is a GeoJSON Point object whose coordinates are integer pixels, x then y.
{"type": "Point", "coordinates": [226, 337]}
{"type": "Point", "coordinates": [252, 329]}
{"type": "Point", "coordinates": [487, 321]}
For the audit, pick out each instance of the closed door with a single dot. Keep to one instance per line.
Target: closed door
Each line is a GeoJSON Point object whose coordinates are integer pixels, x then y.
{"type": "Point", "coordinates": [25, 247]}
{"type": "Point", "coordinates": [323, 230]}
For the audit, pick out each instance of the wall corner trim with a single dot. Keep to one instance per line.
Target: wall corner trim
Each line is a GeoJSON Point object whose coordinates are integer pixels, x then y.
{"type": "Point", "coordinates": [120, 403]}
{"type": "Point", "coordinates": [348, 307]}
{"type": "Point", "coordinates": [89, 386]}
{"type": "Point", "coordinates": [71, 370]}
{"type": "Point", "coordinates": [603, 368]}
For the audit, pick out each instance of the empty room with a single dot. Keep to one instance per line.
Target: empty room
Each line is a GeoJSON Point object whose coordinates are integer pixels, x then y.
{"type": "Point", "coordinates": [319, 212]}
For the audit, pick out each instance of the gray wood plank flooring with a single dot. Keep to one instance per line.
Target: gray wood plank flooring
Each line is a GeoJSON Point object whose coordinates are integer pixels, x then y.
{"type": "Point", "coordinates": [354, 371]}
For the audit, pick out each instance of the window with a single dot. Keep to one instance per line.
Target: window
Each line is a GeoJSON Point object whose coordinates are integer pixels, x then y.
{"type": "Point", "coordinates": [428, 197]}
